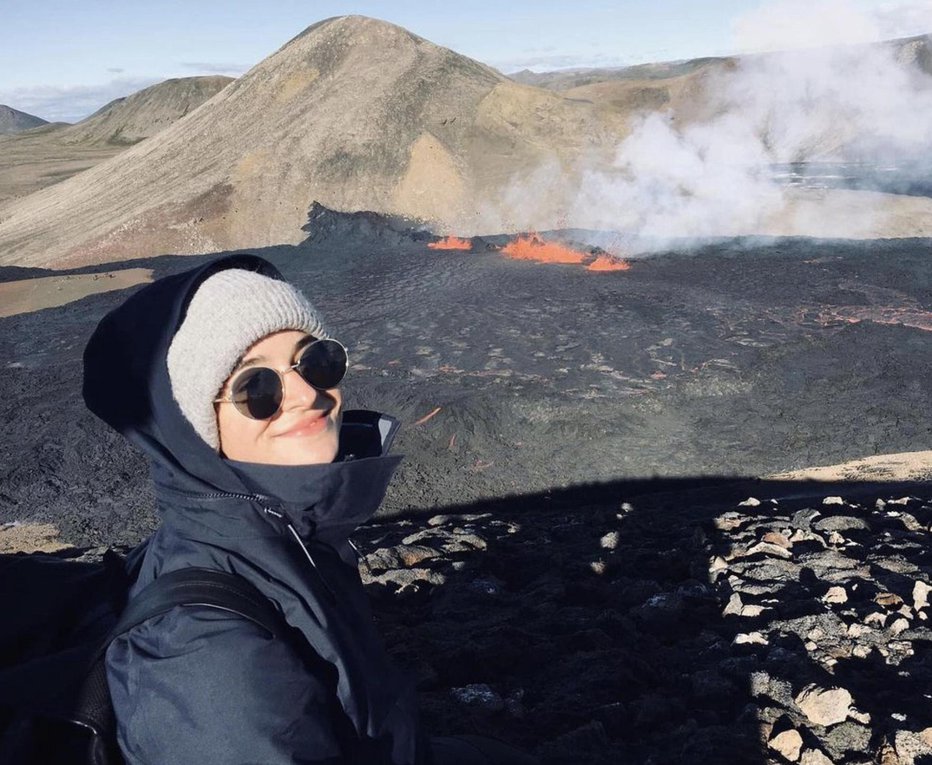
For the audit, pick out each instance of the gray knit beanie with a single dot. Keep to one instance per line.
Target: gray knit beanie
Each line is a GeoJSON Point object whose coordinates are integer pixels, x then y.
{"type": "Point", "coordinates": [230, 311]}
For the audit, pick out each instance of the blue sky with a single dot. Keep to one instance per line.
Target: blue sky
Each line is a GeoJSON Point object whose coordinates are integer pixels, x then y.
{"type": "Point", "coordinates": [63, 59]}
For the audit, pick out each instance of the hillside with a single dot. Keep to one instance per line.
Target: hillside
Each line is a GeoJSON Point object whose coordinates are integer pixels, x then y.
{"type": "Point", "coordinates": [354, 113]}
{"type": "Point", "coordinates": [14, 121]}
{"type": "Point", "coordinates": [126, 121]}
{"type": "Point", "coordinates": [46, 155]}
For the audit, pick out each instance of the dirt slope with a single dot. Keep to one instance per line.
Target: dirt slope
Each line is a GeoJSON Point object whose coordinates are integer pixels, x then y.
{"type": "Point", "coordinates": [354, 113]}
{"type": "Point", "coordinates": [46, 155]}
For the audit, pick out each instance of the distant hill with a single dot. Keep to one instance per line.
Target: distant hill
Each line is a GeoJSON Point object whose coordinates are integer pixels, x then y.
{"type": "Point", "coordinates": [355, 113]}
{"type": "Point", "coordinates": [43, 156]}
{"type": "Point", "coordinates": [14, 121]}
{"type": "Point", "coordinates": [359, 114]}
{"type": "Point", "coordinates": [565, 79]}
{"type": "Point", "coordinates": [128, 120]}
{"type": "Point", "coordinates": [691, 91]}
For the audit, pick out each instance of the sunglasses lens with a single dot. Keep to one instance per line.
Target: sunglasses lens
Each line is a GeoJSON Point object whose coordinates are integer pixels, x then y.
{"type": "Point", "coordinates": [323, 364]}
{"type": "Point", "coordinates": [257, 393]}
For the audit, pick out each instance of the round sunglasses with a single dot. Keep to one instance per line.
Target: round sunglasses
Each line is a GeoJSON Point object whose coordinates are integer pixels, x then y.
{"type": "Point", "coordinates": [257, 392]}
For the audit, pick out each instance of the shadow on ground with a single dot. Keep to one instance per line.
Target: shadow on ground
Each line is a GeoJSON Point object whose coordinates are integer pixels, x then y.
{"type": "Point", "coordinates": [584, 625]}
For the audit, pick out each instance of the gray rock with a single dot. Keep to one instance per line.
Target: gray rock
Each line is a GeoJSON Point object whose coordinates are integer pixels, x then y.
{"type": "Point", "coordinates": [835, 594]}
{"type": "Point", "coordinates": [803, 519]}
{"type": "Point", "coordinates": [788, 744]}
{"type": "Point", "coordinates": [814, 757]}
{"type": "Point", "coordinates": [406, 578]}
{"type": "Point", "coordinates": [847, 737]}
{"type": "Point", "coordinates": [921, 592]}
{"type": "Point", "coordinates": [610, 540]}
{"type": "Point", "coordinates": [910, 745]}
{"type": "Point", "coordinates": [841, 523]}
{"type": "Point", "coordinates": [763, 684]}
{"type": "Point", "coordinates": [824, 706]}
{"type": "Point", "coordinates": [400, 556]}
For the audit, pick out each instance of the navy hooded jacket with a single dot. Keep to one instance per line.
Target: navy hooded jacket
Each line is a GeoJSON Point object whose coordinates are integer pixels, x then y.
{"type": "Point", "coordinates": [199, 685]}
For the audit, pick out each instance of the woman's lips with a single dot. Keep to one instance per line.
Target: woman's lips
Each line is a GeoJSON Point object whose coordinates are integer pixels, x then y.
{"type": "Point", "coordinates": [308, 425]}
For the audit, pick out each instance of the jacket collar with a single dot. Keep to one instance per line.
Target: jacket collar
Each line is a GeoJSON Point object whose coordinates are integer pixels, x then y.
{"type": "Point", "coordinates": [326, 501]}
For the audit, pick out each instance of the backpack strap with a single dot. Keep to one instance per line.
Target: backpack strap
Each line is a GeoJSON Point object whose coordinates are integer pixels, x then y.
{"type": "Point", "coordinates": [199, 587]}
{"type": "Point", "coordinates": [185, 587]}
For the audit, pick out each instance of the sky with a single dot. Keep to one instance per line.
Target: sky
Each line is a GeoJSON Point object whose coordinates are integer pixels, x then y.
{"type": "Point", "coordinates": [63, 59]}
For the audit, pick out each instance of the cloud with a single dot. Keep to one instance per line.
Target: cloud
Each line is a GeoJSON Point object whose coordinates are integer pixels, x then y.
{"type": "Point", "coordinates": [215, 67]}
{"type": "Point", "coordinates": [790, 24]}
{"type": "Point", "coordinates": [550, 62]}
{"type": "Point", "coordinates": [72, 103]}
{"type": "Point", "coordinates": [115, 70]}
{"type": "Point", "coordinates": [904, 18]}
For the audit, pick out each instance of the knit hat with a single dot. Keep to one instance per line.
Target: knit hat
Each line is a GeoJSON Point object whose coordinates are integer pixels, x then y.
{"type": "Point", "coordinates": [230, 311]}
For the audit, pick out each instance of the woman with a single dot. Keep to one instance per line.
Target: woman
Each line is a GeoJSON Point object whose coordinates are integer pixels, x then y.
{"type": "Point", "coordinates": [226, 377]}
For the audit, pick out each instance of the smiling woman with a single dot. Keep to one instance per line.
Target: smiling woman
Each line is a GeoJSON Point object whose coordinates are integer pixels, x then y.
{"type": "Point", "coordinates": [279, 418]}
{"type": "Point", "coordinates": [226, 376]}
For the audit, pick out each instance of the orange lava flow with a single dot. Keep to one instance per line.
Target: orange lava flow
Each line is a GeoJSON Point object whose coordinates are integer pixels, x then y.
{"type": "Point", "coordinates": [608, 263]}
{"type": "Point", "coordinates": [451, 243]}
{"type": "Point", "coordinates": [532, 247]}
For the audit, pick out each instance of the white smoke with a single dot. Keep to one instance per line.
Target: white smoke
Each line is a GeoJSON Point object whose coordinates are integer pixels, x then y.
{"type": "Point", "coordinates": [848, 100]}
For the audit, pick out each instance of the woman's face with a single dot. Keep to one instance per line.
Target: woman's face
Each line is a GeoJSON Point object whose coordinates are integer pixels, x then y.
{"type": "Point", "coordinates": [304, 431]}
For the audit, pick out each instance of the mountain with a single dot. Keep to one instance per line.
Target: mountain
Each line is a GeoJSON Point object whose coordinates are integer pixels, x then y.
{"type": "Point", "coordinates": [46, 155]}
{"type": "Point", "coordinates": [128, 120]}
{"type": "Point", "coordinates": [355, 113]}
{"type": "Point", "coordinates": [13, 121]}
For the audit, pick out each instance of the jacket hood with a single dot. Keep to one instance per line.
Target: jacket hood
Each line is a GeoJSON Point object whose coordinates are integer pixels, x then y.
{"type": "Point", "coordinates": [127, 385]}
{"type": "Point", "coordinates": [126, 381]}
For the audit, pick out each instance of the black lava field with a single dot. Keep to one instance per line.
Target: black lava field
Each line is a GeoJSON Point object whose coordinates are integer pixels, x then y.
{"type": "Point", "coordinates": [739, 358]}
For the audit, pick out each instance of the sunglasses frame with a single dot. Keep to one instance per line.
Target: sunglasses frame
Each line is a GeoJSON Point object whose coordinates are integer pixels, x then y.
{"type": "Point", "coordinates": [228, 399]}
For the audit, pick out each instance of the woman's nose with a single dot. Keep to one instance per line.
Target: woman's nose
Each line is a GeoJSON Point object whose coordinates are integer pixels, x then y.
{"type": "Point", "coordinates": [296, 392]}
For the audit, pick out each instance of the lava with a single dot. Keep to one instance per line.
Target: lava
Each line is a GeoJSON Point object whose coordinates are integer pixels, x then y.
{"type": "Point", "coordinates": [532, 247]}
{"type": "Point", "coordinates": [608, 263]}
{"type": "Point", "coordinates": [451, 243]}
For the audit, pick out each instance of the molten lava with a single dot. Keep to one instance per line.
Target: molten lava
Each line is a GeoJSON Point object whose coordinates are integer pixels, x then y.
{"type": "Point", "coordinates": [532, 247]}
{"type": "Point", "coordinates": [608, 263]}
{"type": "Point", "coordinates": [451, 243]}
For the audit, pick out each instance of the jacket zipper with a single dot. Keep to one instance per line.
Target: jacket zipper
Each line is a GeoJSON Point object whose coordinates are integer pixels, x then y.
{"type": "Point", "coordinates": [261, 501]}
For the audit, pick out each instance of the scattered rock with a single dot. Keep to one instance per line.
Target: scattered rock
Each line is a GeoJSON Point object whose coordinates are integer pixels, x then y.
{"type": "Point", "coordinates": [921, 592]}
{"type": "Point", "coordinates": [400, 556]}
{"type": "Point", "coordinates": [824, 706]}
{"type": "Point", "coordinates": [730, 521]}
{"type": "Point", "coordinates": [888, 600]}
{"type": "Point", "coordinates": [610, 540]}
{"type": "Point", "coordinates": [833, 501]}
{"type": "Point", "coordinates": [814, 757]}
{"type": "Point", "coordinates": [750, 638]}
{"type": "Point", "coordinates": [841, 523]}
{"type": "Point", "coordinates": [776, 538]}
{"type": "Point", "coordinates": [788, 744]}
{"type": "Point", "coordinates": [835, 594]}
{"type": "Point", "coordinates": [910, 746]}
